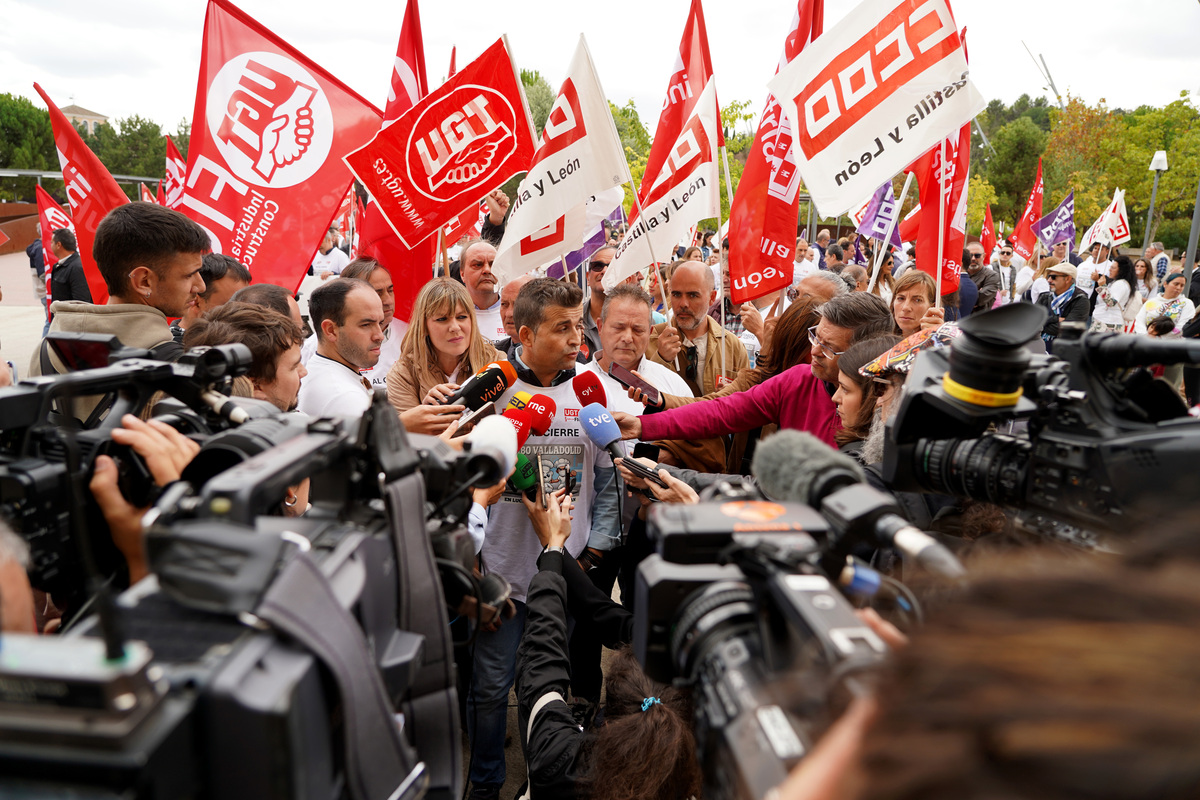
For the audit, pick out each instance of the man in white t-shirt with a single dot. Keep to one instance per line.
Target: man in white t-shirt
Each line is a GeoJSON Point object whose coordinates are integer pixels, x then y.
{"type": "Point", "coordinates": [476, 264]}
{"type": "Point", "coordinates": [806, 262]}
{"type": "Point", "coordinates": [549, 319]}
{"type": "Point", "coordinates": [329, 260]}
{"type": "Point", "coordinates": [374, 273]}
{"type": "Point", "coordinates": [1096, 263]}
{"type": "Point", "coordinates": [348, 317]}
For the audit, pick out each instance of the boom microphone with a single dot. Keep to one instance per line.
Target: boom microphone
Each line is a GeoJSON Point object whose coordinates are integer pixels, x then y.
{"type": "Point", "coordinates": [482, 387]}
{"type": "Point", "coordinates": [798, 467]}
{"type": "Point", "coordinates": [522, 421]}
{"type": "Point", "coordinates": [589, 389]}
{"type": "Point", "coordinates": [542, 409]}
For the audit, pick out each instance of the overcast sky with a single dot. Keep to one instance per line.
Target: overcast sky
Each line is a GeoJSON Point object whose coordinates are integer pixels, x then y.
{"type": "Point", "coordinates": [123, 57]}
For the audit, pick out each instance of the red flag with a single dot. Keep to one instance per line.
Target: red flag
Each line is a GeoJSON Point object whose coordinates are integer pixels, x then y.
{"type": "Point", "coordinates": [463, 140]}
{"type": "Point", "coordinates": [52, 217]}
{"type": "Point", "coordinates": [263, 173]}
{"type": "Point", "coordinates": [145, 193]}
{"type": "Point", "coordinates": [910, 226]}
{"type": "Point", "coordinates": [90, 189]}
{"type": "Point", "coordinates": [1023, 236]}
{"type": "Point", "coordinates": [3, 237]}
{"type": "Point", "coordinates": [987, 236]}
{"type": "Point", "coordinates": [160, 198]}
{"type": "Point", "coordinates": [930, 177]}
{"type": "Point", "coordinates": [376, 239]}
{"type": "Point", "coordinates": [691, 73]}
{"type": "Point", "coordinates": [176, 175]}
{"type": "Point", "coordinates": [762, 217]}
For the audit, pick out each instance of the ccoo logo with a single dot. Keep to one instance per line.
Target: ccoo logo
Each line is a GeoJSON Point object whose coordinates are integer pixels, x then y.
{"type": "Point", "coordinates": [270, 119]}
{"type": "Point", "coordinates": [459, 143]}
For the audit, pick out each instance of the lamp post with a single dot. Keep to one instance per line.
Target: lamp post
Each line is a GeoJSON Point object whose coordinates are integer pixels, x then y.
{"type": "Point", "coordinates": [1158, 165]}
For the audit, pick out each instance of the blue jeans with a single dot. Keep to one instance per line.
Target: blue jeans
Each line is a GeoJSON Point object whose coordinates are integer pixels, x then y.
{"type": "Point", "coordinates": [487, 703]}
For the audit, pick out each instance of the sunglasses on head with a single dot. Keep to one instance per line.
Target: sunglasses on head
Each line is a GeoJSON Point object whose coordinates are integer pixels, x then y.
{"type": "Point", "coordinates": [597, 266]}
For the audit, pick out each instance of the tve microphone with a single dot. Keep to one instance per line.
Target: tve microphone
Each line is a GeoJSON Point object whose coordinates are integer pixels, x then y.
{"type": "Point", "coordinates": [522, 421]}
{"type": "Point", "coordinates": [542, 409]}
{"type": "Point", "coordinates": [518, 400]}
{"type": "Point", "coordinates": [798, 467]}
{"type": "Point", "coordinates": [589, 389]}
{"type": "Point", "coordinates": [493, 450]}
{"type": "Point", "coordinates": [598, 425]}
{"type": "Point", "coordinates": [482, 387]}
{"type": "Point", "coordinates": [524, 478]}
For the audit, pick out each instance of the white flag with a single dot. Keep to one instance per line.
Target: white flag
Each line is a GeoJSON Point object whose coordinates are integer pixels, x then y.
{"type": "Point", "coordinates": [1112, 228]}
{"type": "Point", "coordinates": [685, 192]}
{"type": "Point", "coordinates": [868, 97]}
{"type": "Point", "coordinates": [579, 158]}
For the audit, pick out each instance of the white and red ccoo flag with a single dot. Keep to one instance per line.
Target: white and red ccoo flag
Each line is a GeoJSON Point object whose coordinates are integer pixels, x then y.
{"type": "Point", "coordinates": [176, 175]}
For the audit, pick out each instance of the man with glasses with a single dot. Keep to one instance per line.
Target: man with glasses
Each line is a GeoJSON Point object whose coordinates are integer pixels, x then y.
{"type": "Point", "coordinates": [1010, 277]}
{"type": "Point", "coordinates": [984, 278]}
{"type": "Point", "coordinates": [1060, 252]}
{"type": "Point", "coordinates": [597, 266]}
{"type": "Point", "coordinates": [1065, 301]}
{"type": "Point", "coordinates": [800, 398]}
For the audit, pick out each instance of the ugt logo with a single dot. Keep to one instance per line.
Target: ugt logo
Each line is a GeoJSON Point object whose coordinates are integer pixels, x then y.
{"type": "Point", "coordinates": [270, 119]}
{"type": "Point", "coordinates": [460, 142]}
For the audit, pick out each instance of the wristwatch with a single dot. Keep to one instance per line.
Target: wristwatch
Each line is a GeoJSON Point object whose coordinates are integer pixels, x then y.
{"type": "Point", "coordinates": [562, 551]}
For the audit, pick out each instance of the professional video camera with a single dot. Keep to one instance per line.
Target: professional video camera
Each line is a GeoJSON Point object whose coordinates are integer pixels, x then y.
{"type": "Point", "coordinates": [268, 656]}
{"type": "Point", "coordinates": [1106, 448]}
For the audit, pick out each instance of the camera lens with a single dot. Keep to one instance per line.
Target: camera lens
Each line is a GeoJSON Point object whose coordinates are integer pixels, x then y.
{"type": "Point", "coordinates": [993, 469]}
{"type": "Point", "coordinates": [708, 617]}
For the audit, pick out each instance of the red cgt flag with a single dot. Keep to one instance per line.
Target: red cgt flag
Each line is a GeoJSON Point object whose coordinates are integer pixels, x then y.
{"type": "Point", "coordinates": [264, 175]}
{"type": "Point", "coordinates": [1024, 235]}
{"type": "Point", "coordinates": [375, 237]}
{"type": "Point", "coordinates": [176, 176]}
{"type": "Point", "coordinates": [461, 141]}
{"type": "Point", "coordinates": [762, 218]}
{"type": "Point", "coordinates": [931, 176]}
{"type": "Point", "coordinates": [90, 189]}
{"type": "Point", "coordinates": [987, 236]}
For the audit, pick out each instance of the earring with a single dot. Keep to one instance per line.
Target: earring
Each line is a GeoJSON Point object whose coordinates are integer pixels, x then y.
{"type": "Point", "coordinates": [291, 500]}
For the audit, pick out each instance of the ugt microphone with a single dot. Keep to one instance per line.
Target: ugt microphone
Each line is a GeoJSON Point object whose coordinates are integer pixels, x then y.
{"type": "Point", "coordinates": [542, 409]}
{"type": "Point", "coordinates": [798, 467]}
{"type": "Point", "coordinates": [589, 389]}
{"type": "Point", "coordinates": [482, 387]}
{"type": "Point", "coordinates": [598, 425]}
{"type": "Point", "coordinates": [522, 420]}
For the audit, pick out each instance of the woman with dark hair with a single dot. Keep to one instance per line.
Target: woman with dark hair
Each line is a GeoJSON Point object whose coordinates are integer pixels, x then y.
{"type": "Point", "coordinates": [857, 395]}
{"type": "Point", "coordinates": [1117, 300]}
{"type": "Point", "coordinates": [645, 748]}
{"type": "Point", "coordinates": [1147, 282]}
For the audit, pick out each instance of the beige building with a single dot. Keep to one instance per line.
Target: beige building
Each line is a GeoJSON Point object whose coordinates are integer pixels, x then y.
{"type": "Point", "coordinates": [89, 119]}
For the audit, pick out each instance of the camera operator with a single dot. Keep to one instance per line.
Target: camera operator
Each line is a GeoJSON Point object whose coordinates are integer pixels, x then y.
{"type": "Point", "coordinates": [645, 748]}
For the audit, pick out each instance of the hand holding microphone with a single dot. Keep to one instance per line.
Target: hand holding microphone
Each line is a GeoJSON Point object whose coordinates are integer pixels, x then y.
{"type": "Point", "coordinates": [485, 386]}
{"type": "Point", "coordinates": [599, 427]}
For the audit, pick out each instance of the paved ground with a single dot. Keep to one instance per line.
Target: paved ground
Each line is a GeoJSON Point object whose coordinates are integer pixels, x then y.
{"type": "Point", "coordinates": [21, 317]}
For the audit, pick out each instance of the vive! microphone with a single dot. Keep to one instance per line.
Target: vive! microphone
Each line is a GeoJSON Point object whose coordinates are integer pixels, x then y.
{"type": "Point", "coordinates": [798, 467]}
{"type": "Point", "coordinates": [507, 368]}
{"type": "Point", "coordinates": [482, 387]}
{"type": "Point", "coordinates": [518, 400]}
{"type": "Point", "coordinates": [589, 389]}
{"type": "Point", "coordinates": [522, 421]}
{"type": "Point", "coordinates": [524, 478]}
{"type": "Point", "coordinates": [542, 409]}
{"type": "Point", "coordinates": [493, 451]}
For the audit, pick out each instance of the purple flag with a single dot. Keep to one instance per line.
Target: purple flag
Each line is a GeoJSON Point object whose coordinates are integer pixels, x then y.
{"type": "Point", "coordinates": [881, 210]}
{"type": "Point", "coordinates": [594, 242]}
{"type": "Point", "coordinates": [1059, 224]}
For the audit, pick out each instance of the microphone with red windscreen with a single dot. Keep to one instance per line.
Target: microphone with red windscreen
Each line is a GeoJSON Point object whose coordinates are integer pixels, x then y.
{"type": "Point", "coordinates": [542, 409]}
{"type": "Point", "coordinates": [588, 389]}
{"type": "Point", "coordinates": [522, 420]}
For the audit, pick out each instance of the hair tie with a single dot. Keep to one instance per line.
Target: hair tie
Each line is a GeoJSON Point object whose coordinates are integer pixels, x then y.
{"type": "Point", "coordinates": [649, 701]}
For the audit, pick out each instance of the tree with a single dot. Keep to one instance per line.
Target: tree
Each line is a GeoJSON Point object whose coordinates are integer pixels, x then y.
{"type": "Point", "coordinates": [979, 194]}
{"type": "Point", "coordinates": [636, 141]}
{"type": "Point", "coordinates": [1084, 141]}
{"type": "Point", "coordinates": [1013, 168]}
{"type": "Point", "coordinates": [26, 142]}
{"type": "Point", "coordinates": [540, 96]}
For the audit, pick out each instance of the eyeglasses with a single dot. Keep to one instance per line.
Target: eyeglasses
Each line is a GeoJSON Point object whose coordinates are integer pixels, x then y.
{"type": "Point", "coordinates": [597, 266]}
{"type": "Point", "coordinates": [976, 255]}
{"type": "Point", "coordinates": [815, 342]}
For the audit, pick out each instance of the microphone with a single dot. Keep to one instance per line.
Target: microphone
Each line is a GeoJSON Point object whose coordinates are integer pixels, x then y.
{"type": "Point", "coordinates": [598, 425]}
{"type": "Point", "coordinates": [524, 479]}
{"type": "Point", "coordinates": [542, 409]}
{"type": "Point", "coordinates": [493, 450]}
{"type": "Point", "coordinates": [518, 400]}
{"type": "Point", "coordinates": [482, 387]}
{"type": "Point", "coordinates": [798, 467]}
{"type": "Point", "coordinates": [507, 368]}
{"type": "Point", "coordinates": [589, 390]}
{"type": "Point", "coordinates": [522, 421]}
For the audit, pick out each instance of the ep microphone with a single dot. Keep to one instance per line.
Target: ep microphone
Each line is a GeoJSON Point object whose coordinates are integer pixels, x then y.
{"type": "Point", "coordinates": [798, 467]}
{"type": "Point", "coordinates": [542, 409]}
{"type": "Point", "coordinates": [482, 387]}
{"type": "Point", "coordinates": [522, 420]}
{"type": "Point", "coordinates": [598, 425]}
{"type": "Point", "coordinates": [524, 478]}
{"type": "Point", "coordinates": [589, 389]}
{"type": "Point", "coordinates": [518, 400]}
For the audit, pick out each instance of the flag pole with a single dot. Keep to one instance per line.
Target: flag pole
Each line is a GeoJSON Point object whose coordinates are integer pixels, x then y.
{"type": "Point", "coordinates": [720, 272]}
{"type": "Point", "coordinates": [442, 250]}
{"type": "Point", "coordinates": [887, 238]}
{"type": "Point", "coordinates": [941, 243]}
{"type": "Point", "coordinates": [662, 287]}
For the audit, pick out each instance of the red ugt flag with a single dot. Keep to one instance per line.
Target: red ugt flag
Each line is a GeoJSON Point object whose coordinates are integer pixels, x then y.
{"type": "Point", "coordinates": [264, 175]}
{"type": "Point", "coordinates": [762, 219]}
{"type": "Point", "coordinates": [465, 138]}
{"type": "Point", "coordinates": [90, 189]}
{"type": "Point", "coordinates": [987, 237]}
{"type": "Point", "coordinates": [949, 180]}
{"type": "Point", "coordinates": [176, 175]}
{"type": "Point", "coordinates": [1024, 235]}
{"type": "Point", "coordinates": [691, 73]}
{"type": "Point", "coordinates": [376, 239]}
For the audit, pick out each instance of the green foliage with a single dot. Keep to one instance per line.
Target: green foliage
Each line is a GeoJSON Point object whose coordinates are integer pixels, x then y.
{"type": "Point", "coordinates": [979, 194]}
{"type": "Point", "coordinates": [1013, 168]}
{"type": "Point", "coordinates": [636, 141]}
{"type": "Point", "coordinates": [737, 123]}
{"type": "Point", "coordinates": [134, 146]}
{"type": "Point", "coordinates": [540, 97]}
{"type": "Point", "coordinates": [26, 142]}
